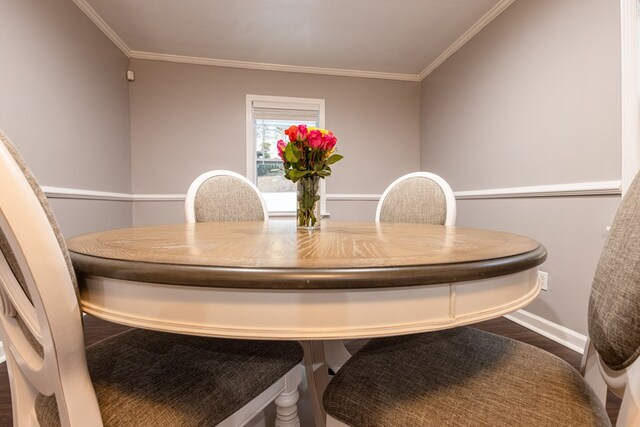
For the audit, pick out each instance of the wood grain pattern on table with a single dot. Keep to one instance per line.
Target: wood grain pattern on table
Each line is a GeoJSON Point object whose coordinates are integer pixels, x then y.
{"type": "Point", "coordinates": [283, 252]}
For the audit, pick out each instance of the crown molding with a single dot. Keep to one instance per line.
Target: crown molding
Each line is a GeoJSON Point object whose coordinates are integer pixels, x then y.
{"type": "Point", "coordinates": [468, 35]}
{"type": "Point", "coordinates": [104, 27]}
{"type": "Point", "coordinates": [152, 56]}
{"type": "Point", "coordinates": [271, 67]}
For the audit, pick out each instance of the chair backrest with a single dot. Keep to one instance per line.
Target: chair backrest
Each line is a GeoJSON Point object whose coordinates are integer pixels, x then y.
{"type": "Point", "coordinates": [418, 198]}
{"type": "Point", "coordinates": [222, 195]}
{"type": "Point", "coordinates": [40, 322]}
{"type": "Point", "coordinates": [611, 359]}
{"type": "Point", "coordinates": [614, 304]}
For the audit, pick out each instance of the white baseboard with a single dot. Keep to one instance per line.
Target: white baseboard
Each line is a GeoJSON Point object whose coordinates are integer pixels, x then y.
{"type": "Point", "coordinates": [3, 357]}
{"type": "Point", "coordinates": [560, 334]}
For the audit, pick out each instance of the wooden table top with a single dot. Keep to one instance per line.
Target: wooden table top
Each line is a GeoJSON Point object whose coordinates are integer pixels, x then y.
{"type": "Point", "coordinates": [276, 255]}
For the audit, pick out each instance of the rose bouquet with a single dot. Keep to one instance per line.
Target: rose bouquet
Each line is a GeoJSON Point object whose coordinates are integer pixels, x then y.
{"type": "Point", "coordinates": [307, 157]}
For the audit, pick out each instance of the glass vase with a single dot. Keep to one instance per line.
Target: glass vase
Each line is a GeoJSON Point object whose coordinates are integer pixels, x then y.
{"type": "Point", "coordinates": [308, 202]}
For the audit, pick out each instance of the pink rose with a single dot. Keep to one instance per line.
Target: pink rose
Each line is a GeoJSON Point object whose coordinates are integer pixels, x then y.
{"type": "Point", "coordinates": [329, 141]}
{"type": "Point", "coordinates": [302, 132]}
{"type": "Point", "coordinates": [281, 145]}
{"type": "Point", "coordinates": [315, 139]}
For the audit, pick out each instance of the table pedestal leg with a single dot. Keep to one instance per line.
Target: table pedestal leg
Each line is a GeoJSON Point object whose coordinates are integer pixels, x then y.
{"type": "Point", "coordinates": [336, 354]}
{"type": "Point", "coordinates": [316, 370]}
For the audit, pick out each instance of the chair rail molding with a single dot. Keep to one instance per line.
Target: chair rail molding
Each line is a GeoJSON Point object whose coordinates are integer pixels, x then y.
{"type": "Point", "coordinates": [76, 193]}
{"type": "Point", "coordinates": [599, 188]}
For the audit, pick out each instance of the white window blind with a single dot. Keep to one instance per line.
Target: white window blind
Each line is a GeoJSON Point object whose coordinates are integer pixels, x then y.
{"type": "Point", "coordinates": [281, 114]}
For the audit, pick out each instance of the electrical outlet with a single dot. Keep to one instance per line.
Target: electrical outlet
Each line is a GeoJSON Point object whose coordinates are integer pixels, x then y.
{"type": "Point", "coordinates": [543, 278]}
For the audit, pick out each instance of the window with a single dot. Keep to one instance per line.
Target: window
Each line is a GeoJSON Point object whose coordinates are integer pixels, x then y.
{"type": "Point", "coordinates": [267, 119]}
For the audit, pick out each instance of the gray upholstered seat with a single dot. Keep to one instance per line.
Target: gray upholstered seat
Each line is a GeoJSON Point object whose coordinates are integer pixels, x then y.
{"type": "Point", "coordinates": [143, 378]}
{"type": "Point", "coordinates": [467, 377]}
{"type": "Point", "coordinates": [459, 377]}
{"type": "Point", "coordinates": [222, 195]}
{"type": "Point", "coordinates": [138, 378]}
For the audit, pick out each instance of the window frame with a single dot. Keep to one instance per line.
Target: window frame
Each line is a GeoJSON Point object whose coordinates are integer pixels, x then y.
{"type": "Point", "coordinates": [285, 103]}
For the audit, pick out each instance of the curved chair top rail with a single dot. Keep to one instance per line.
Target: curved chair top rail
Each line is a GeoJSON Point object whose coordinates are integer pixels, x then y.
{"type": "Point", "coordinates": [189, 206]}
{"type": "Point", "coordinates": [450, 199]}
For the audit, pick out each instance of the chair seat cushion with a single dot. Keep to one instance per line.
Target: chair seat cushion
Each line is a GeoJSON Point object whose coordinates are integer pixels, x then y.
{"type": "Point", "coordinates": [146, 378]}
{"type": "Point", "coordinates": [460, 377]}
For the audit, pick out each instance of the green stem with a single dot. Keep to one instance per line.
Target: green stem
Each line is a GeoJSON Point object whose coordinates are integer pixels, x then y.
{"type": "Point", "coordinates": [307, 199]}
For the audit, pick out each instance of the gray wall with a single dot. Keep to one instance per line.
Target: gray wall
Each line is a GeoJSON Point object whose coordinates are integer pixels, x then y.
{"type": "Point", "coordinates": [534, 99]}
{"type": "Point", "coordinates": [187, 119]}
{"type": "Point", "coordinates": [65, 104]}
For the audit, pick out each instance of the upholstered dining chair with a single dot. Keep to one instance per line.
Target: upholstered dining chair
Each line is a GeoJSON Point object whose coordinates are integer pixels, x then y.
{"type": "Point", "coordinates": [418, 198]}
{"type": "Point", "coordinates": [414, 198]}
{"type": "Point", "coordinates": [222, 195]}
{"type": "Point", "coordinates": [464, 376]}
{"type": "Point", "coordinates": [137, 378]}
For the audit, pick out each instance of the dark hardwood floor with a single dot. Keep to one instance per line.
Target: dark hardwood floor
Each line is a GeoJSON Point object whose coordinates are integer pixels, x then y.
{"type": "Point", "coordinates": [96, 330]}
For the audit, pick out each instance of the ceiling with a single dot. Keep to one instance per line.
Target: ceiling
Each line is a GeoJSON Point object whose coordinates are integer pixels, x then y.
{"type": "Point", "coordinates": [403, 39]}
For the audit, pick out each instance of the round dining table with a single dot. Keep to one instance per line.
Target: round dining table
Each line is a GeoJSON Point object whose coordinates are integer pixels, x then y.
{"type": "Point", "coordinates": [255, 280]}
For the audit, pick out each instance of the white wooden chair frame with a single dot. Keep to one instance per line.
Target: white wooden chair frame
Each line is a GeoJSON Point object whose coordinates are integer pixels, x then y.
{"type": "Point", "coordinates": [53, 318]}
{"type": "Point", "coordinates": [189, 203]}
{"type": "Point", "coordinates": [624, 383]}
{"type": "Point", "coordinates": [450, 199]}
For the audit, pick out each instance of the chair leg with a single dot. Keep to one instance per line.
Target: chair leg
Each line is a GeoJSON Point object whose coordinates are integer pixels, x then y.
{"type": "Point", "coordinates": [287, 401]}
{"type": "Point", "coordinates": [629, 415]}
{"type": "Point", "coordinates": [590, 370]}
